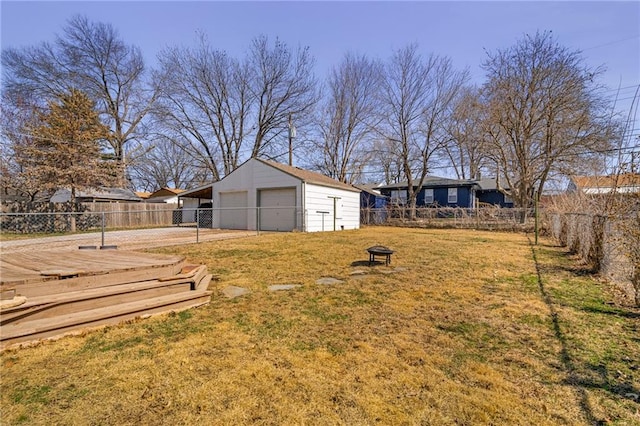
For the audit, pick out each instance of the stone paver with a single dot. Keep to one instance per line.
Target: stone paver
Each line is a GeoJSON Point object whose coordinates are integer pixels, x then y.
{"type": "Point", "coordinates": [329, 281]}
{"type": "Point", "coordinates": [281, 287]}
{"type": "Point", "coordinates": [233, 291]}
{"type": "Point", "coordinates": [359, 272]}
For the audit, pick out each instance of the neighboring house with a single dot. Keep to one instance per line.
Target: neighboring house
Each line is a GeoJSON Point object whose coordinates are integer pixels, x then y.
{"type": "Point", "coordinates": [98, 195]}
{"type": "Point", "coordinates": [164, 195]}
{"type": "Point", "coordinates": [288, 198]}
{"type": "Point", "coordinates": [627, 183]}
{"type": "Point", "coordinates": [435, 191]}
{"type": "Point", "coordinates": [371, 198]}
{"type": "Point", "coordinates": [444, 192]}
{"type": "Point", "coordinates": [487, 193]}
{"type": "Point", "coordinates": [142, 194]}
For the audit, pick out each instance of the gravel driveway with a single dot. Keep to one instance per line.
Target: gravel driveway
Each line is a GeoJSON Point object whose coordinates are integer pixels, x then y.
{"type": "Point", "coordinates": [128, 240]}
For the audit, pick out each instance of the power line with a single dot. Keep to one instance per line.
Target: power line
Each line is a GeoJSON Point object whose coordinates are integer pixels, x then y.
{"type": "Point", "coordinates": [612, 42]}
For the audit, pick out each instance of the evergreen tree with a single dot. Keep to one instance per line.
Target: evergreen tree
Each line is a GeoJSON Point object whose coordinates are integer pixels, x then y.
{"type": "Point", "coordinates": [65, 150]}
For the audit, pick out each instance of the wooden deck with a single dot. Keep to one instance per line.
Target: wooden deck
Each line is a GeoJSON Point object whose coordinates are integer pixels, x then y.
{"type": "Point", "coordinates": [50, 293]}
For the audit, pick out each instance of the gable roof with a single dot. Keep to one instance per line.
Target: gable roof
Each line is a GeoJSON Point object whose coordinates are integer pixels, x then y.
{"type": "Point", "coordinates": [489, 184]}
{"type": "Point", "coordinates": [370, 189]}
{"type": "Point", "coordinates": [432, 182]}
{"type": "Point", "coordinates": [627, 182]}
{"type": "Point", "coordinates": [309, 176]}
{"type": "Point", "coordinates": [166, 192]}
{"type": "Point", "coordinates": [142, 194]}
{"type": "Point", "coordinates": [98, 194]}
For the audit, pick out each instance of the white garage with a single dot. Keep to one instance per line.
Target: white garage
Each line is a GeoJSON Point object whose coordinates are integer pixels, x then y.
{"type": "Point", "coordinates": [233, 210]}
{"type": "Point", "coordinates": [275, 209]}
{"type": "Point", "coordinates": [269, 196]}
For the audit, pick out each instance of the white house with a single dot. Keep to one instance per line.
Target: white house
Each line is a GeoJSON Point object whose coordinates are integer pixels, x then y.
{"type": "Point", "coordinates": [164, 195]}
{"type": "Point", "coordinates": [270, 196]}
{"type": "Point", "coordinates": [626, 183]}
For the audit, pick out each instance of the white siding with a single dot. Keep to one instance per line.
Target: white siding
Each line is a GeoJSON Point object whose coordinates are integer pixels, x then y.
{"type": "Point", "coordinates": [233, 210]}
{"type": "Point", "coordinates": [253, 176]}
{"type": "Point", "coordinates": [278, 209]}
{"type": "Point", "coordinates": [317, 199]}
{"type": "Point", "coordinates": [189, 206]}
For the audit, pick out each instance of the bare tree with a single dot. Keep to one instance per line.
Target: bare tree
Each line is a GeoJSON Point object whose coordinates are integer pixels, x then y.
{"type": "Point", "coordinates": [283, 86]}
{"type": "Point", "coordinates": [204, 104]}
{"type": "Point", "coordinates": [417, 94]}
{"type": "Point", "coordinates": [221, 110]}
{"type": "Point", "coordinates": [89, 56]}
{"type": "Point", "coordinates": [347, 119]}
{"type": "Point", "coordinates": [465, 149]}
{"type": "Point", "coordinates": [13, 178]}
{"type": "Point", "coordinates": [546, 115]}
{"type": "Point", "coordinates": [167, 164]}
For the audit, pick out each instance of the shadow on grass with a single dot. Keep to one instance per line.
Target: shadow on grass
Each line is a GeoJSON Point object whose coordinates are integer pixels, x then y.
{"type": "Point", "coordinates": [604, 310]}
{"type": "Point", "coordinates": [360, 263]}
{"type": "Point", "coordinates": [565, 356]}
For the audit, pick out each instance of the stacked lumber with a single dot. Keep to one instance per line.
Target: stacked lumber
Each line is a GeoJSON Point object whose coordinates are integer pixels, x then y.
{"type": "Point", "coordinates": [51, 302]}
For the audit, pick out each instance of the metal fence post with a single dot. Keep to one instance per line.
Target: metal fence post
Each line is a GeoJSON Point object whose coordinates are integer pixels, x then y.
{"type": "Point", "coordinates": [103, 225]}
{"type": "Point", "coordinates": [197, 225]}
{"type": "Point", "coordinates": [257, 220]}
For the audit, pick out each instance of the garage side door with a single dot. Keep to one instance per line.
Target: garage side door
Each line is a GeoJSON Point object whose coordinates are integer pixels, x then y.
{"type": "Point", "coordinates": [233, 211]}
{"type": "Point", "coordinates": [277, 209]}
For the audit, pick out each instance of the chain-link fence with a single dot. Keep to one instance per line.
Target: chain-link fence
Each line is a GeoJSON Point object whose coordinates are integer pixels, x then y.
{"type": "Point", "coordinates": [140, 227]}
{"type": "Point", "coordinates": [611, 245]}
{"type": "Point", "coordinates": [126, 229]}
{"type": "Point", "coordinates": [491, 218]}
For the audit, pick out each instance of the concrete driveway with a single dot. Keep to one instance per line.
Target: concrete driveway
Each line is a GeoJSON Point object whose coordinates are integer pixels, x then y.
{"type": "Point", "coordinates": [128, 240]}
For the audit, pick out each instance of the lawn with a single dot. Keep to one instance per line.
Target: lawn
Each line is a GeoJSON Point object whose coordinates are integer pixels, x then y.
{"type": "Point", "coordinates": [464, 327]}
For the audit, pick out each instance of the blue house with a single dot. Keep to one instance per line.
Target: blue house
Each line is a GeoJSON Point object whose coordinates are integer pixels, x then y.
{"type": "Point", "coordinates": [444, 192]}
{"type": "Point", "coordinates": [371, 198]}
{"type": "Point", "coordinates": [487, 193]}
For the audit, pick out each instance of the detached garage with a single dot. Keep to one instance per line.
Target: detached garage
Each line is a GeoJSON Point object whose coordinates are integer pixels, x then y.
{"type": "Point", "coordinates": [270, 196]}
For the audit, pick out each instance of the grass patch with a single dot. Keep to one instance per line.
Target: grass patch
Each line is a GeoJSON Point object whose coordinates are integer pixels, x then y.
{"type": "Point", "coordinates": [472, 329]}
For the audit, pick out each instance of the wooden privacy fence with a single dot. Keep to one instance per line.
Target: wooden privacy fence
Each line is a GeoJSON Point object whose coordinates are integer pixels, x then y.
{"type": "Point", "coordinates": [134, 215]}
{"type": "Point", "coordinates": [49, 217]}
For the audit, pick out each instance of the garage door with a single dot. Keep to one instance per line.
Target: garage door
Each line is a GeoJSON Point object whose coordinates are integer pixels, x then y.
{"type": "Point", "coordinates": [233, 211]}
{"type": "Point", "coordinates": [277, 209]}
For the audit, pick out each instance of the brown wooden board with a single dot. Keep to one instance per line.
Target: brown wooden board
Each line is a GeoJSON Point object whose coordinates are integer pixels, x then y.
{"type": "Point", "coordinates": [38, 266]}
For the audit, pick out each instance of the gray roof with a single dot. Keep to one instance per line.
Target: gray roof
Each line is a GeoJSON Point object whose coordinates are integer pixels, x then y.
{"type": "Point", "coordinates": [110, 194]}
{"type": "Point", "coordinates": [485, 184]}
{"type": "Point", "coordinates": [489, 184]}
{"type": "Point", "coordinates": [309, 176]}
{"type": "Point", "coordinates": [370, 189]}
{"type": "Point", "coordinates": [432, 182]}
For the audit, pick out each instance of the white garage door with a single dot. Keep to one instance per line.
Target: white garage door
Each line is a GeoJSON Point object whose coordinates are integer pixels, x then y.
{"type": "Point", "coordinates": [277, 209]}
{"type": "Point", "coordinates": [233, 211]}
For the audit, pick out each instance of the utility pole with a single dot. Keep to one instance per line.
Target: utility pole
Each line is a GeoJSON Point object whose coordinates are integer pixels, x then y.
{"type": "Point", "coordinates": [292, 134]}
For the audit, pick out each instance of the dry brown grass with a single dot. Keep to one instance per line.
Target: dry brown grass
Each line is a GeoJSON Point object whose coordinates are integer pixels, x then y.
{"type": "Point", "coordinates": [465, 335]}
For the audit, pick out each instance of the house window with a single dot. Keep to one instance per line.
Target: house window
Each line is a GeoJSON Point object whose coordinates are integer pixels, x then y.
{"type": "Point", "coordinates": [453, 196]}
{"type": "Point", "coordinates": [428, 196]}
{"type": "Point", "coordinates": [399, 196]}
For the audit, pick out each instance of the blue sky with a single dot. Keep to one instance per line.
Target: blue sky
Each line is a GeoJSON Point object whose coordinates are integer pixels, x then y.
{"type": "Point", "coordinates": [607, 32]}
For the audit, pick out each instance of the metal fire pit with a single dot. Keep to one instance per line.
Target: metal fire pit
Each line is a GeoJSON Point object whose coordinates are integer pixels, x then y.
{"type": "Point", "coordinates": [380, 251]}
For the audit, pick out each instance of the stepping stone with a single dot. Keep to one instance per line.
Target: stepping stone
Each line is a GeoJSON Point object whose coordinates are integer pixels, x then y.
{"type": "Point", "coordinates": [359, 272]}
{"type": "Point", "coordinates": [280, 287]}
{"type": "Point", "coordinates": [392, 271]}
{"type": "Point", "coordinates": [328, 281]}
{"type": "Point", "coordinates": [233, 291]}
